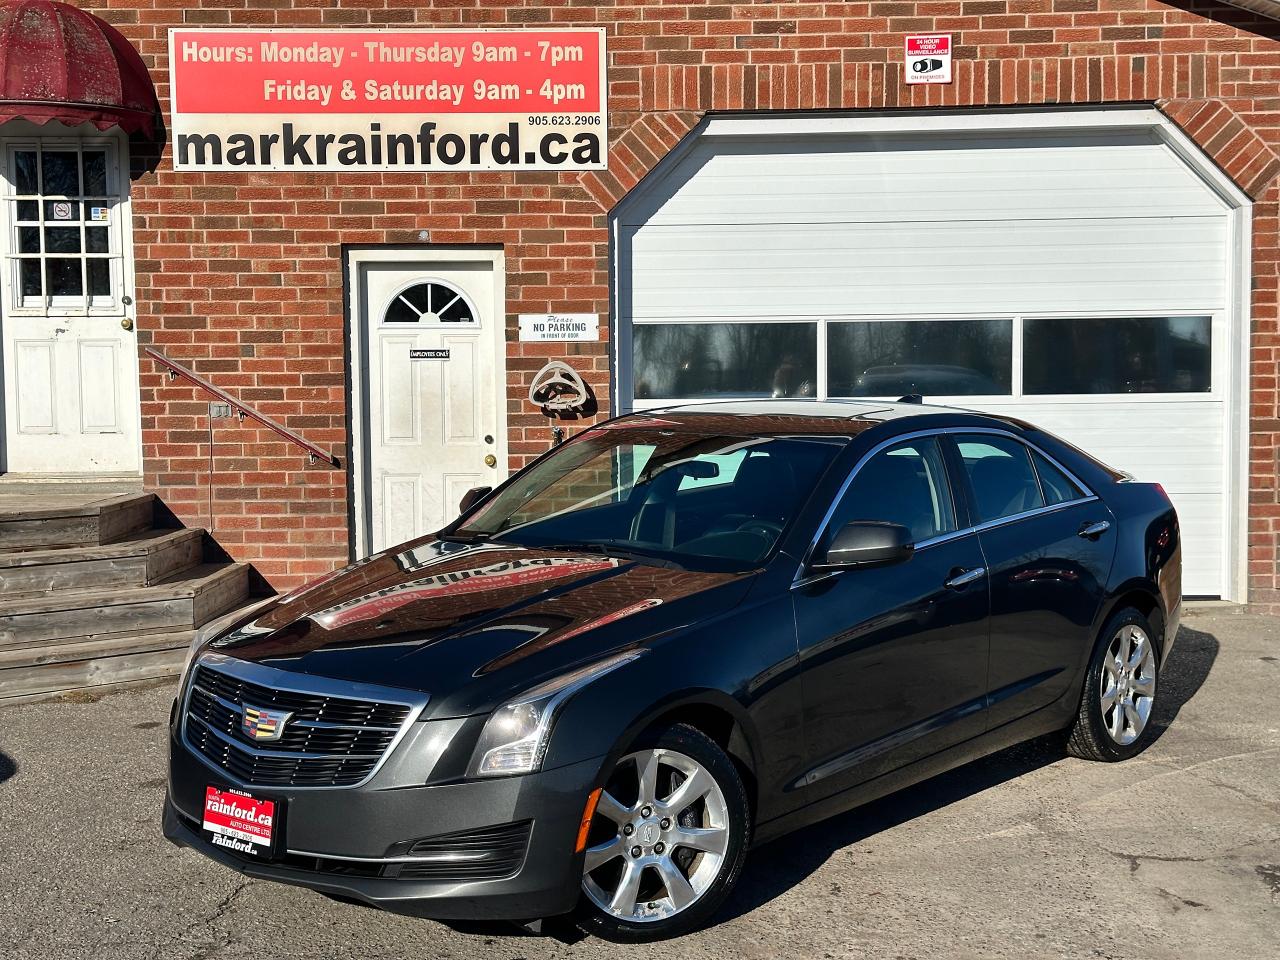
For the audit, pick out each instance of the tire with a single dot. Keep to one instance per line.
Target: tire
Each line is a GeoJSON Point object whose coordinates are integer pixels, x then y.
{"type": "Point", "coordinates": [625, 897]}
{"type": "Point", "coordinates": [1132, 688]}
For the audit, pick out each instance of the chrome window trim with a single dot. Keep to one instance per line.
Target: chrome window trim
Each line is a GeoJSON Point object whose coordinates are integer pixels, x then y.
{"type": "Point", "coordinates": [304, 684]}
{"type": "Point", "coordinates": [801, 579]}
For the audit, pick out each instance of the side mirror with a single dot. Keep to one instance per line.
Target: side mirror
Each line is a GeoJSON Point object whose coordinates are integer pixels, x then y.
{"type": "Point", "coordinates": [865, 543]}
{"type": "Point", "coordinates": [470, 497]}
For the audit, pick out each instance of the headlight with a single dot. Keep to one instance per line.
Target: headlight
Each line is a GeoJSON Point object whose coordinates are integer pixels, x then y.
{"type": "Point", "coordinates": [515, 737]}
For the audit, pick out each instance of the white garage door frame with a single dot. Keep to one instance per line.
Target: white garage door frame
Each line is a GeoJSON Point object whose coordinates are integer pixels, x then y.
{"type": "Point", "coordinates": [1230, 367]}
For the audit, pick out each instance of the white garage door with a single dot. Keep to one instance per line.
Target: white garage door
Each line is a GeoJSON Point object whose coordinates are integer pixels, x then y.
{"type": "Point", "coordinates": [1079, 279]}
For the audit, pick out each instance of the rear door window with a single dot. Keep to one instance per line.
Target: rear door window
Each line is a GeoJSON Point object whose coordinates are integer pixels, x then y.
{"type": "Point", "coordinates": [1056, 485]}
{"type": "Point", "coordinates": [1000, 473]}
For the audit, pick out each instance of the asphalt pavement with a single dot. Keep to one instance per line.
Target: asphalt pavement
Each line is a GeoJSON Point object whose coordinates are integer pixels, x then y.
{"type": "Point", "coordinates": [1029, 853]}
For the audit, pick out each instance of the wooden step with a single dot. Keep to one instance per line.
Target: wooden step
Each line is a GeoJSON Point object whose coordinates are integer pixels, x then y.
{"type": "Point", "coordinates": [139, 560]}
{"type": "Point", "coordinates": [181, 602]}
{"type": "Point", "coordinates": [54, 520]}
{"type": "Point", "coordinates": [53, 671]}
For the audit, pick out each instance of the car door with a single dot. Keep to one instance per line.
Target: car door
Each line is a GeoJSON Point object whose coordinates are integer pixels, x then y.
{"type": "Point", "coordinates": [893, 658]}
{"type": "Point", "coordinates": [1049, 544]}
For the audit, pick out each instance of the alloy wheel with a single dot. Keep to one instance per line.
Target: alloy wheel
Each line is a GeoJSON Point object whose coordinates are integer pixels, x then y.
{"type": "Point", "coordinates": [1128, 684]}
{"type": "Point", "coordinates": [652, 857]}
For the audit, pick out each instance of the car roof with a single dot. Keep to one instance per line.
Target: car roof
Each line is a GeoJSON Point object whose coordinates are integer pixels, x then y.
{"type": "Point", "coordinates": [818, 417]}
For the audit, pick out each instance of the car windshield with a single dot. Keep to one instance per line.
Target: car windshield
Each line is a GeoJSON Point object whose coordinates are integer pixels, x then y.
{"type": "Point", "coordinates": [679, 496]}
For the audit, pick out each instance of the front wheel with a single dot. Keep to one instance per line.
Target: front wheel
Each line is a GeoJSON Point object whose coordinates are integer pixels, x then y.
{"type": "Point", "coordinates": [667, 841]}
{"type": "Point", "coordinates": [1114, 722]}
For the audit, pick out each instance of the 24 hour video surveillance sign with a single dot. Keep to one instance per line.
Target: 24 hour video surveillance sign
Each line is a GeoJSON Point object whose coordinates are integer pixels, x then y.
{"type": "Point", "coordinates": [307, 100]}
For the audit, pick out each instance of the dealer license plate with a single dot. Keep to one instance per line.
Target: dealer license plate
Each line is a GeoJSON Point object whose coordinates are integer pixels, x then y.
{"type": "Point", "coordinates": [240, 823]}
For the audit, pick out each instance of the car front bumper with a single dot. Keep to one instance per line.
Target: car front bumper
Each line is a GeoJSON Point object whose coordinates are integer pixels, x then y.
{"type": "Point", "coordinates": [355, 842]}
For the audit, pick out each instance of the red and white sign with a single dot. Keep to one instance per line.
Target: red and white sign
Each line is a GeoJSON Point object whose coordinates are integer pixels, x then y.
{"type": "Point", "coordinates": [928, 58]}
{"type": "Point", "coordinates": [238, 821]}
{"type": "Point", "coordinates": [388, 99]}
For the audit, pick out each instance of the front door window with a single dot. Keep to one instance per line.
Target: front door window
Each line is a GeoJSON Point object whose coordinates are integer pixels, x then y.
{"type": "Point", "coordinates": [62, 212]}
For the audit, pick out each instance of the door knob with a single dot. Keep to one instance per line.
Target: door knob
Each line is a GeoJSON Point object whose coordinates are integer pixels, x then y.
{"type": "Point", "coordinates": [490, 460]}
{"type": "Point", "coordinates": [127, 323]}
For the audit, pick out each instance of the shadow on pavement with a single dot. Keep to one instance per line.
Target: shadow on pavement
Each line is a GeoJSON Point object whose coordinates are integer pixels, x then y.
{"type": "Point", "coordinates": [7, 767]}
{"type": "Point", "coordinates": [778, 866]}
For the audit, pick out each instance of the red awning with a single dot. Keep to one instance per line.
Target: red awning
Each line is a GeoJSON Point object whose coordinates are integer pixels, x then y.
{"type": "Point", "coordinates": [59, 63]}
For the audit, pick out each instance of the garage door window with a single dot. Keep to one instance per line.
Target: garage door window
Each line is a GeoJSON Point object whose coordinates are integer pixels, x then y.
{"type": "Point", "coordinates": [1116, 355]}
{"type": "Point", "coordinates": [881, 358]}
{"type": "Point", "coordinates": [690, 360]}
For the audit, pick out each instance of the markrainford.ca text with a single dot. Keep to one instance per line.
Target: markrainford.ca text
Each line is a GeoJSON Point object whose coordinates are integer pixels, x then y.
{"type": "Point", "coordinates": [427, 147]}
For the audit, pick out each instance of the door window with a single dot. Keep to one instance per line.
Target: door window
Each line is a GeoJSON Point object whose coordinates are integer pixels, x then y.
{"type": "Point", "coordinates": [429, 302]}
{"type": "Point", "coordinates": [62, 208]}
{"type": "Point", "coordinates": [1000, 473]}
{"type": "Point", "coordinates": [904, 484]}
{"type": "Point", "coordinates": [1056, 485]}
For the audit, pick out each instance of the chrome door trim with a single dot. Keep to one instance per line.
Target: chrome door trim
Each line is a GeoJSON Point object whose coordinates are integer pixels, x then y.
{"type": "Point", "coordinates": [801, 579]}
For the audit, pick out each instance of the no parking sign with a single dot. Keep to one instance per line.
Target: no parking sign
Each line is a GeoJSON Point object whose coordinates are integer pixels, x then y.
{"type": "Point", "coordinates": [928, 58]}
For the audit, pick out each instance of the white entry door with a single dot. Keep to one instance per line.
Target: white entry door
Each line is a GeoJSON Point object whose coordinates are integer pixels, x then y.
{"type": "Point", "coordinates": [429, 388]}
{"type": "Point", "coordinates": [70, 363]}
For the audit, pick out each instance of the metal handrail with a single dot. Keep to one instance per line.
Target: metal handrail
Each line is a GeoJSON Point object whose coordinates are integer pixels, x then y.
{"type": "Point", "coordinates": [178, 371]}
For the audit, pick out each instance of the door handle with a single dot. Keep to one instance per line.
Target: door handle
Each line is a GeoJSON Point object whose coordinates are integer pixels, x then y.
{"type": "Point", "coordinates": [1092, 531]}
{"type": "Point", "coordinates": [490, 460]}
{"type": "Point", "coordinates": [961, 579]}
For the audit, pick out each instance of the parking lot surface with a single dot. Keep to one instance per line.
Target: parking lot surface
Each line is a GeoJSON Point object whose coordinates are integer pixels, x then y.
{"type": "Point", "coordinates": [1029, 853]}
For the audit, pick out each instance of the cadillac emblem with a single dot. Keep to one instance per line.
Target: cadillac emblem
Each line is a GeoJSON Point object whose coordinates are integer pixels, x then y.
{"type": "Point", "coordinates": [261, 724]}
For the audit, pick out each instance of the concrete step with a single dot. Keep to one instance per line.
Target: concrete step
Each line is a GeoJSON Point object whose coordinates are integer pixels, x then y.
{"type": "Point", "coordinates": [139, 560]}
{"type": "Point", "coordinates": [79, 519]}
{"type": "Point", "coordinates": [180, 602]}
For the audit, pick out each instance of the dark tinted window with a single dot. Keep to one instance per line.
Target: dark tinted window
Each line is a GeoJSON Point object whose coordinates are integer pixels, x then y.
{"type": "Point", "coordinates": [1056, 485]}
{"type": "Point", "coordinates": [1001, 475]}
{"type": "Point", "coordinates": [1117, 355]}
{"type": "Point", "coordinates": [686, 360]}
{"type": "Point", "coordinates": [905, 484]}
{"type": "Point", "coordinates": [889, 358]}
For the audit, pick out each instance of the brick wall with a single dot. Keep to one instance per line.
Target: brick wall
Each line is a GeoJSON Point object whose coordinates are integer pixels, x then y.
{"type": "Point", "coordinates": [241, 275]}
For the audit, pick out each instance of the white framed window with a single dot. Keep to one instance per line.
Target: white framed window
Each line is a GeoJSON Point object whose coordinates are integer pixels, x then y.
{"type": "Point", "coordinates": [63, 207]}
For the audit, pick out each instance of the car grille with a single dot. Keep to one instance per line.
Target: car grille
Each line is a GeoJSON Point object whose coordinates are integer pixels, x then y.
{"type": "Point", "coordinates": [329, 741]}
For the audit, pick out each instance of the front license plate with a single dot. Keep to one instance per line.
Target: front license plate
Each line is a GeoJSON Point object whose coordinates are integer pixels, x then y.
{"type": "Point", "coordinates": [241, 823]}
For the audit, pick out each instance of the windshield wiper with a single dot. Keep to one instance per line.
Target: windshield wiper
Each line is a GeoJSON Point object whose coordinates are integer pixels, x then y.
{"type": "Point", "coordinates": [613, 550]}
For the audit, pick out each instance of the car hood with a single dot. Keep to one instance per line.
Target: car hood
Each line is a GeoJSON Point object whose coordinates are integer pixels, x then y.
{"type": "Point", "coordinates": [473, 624]}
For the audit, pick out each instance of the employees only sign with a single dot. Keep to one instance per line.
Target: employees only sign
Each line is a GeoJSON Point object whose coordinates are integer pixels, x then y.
{"type": "Point", "coordinates": [388, 99]}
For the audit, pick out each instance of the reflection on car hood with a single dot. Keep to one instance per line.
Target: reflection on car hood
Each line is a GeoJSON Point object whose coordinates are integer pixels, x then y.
{"type": "Point", "coordinates": [473, 623]}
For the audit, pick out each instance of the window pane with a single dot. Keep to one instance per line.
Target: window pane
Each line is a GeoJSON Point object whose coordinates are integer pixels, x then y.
{"type": "Point", "coordinates": [58, 173]}
{"type": "Point", "coordinates": [29, 274]}
{"type": "Point", "coordinates": [1001, 476]}
{"type": "Point", "coordinates": [63, 277]}
{"type": "Point", "coordinates": [27, 210]}
{"type": "Point", "coordinates": [95, 171]}
{"type": "Point", "coordinates": [100, 278]}
{"type": "Point", "coordinates": [62, 239]}
{"type": "Point", "coordinates": [1126, 355]}
{"type": "Point", "coordinates": [890, 358]}
{"type": "Point", "coordinates": [28, 239]}
{"type": "Point", "coordinates": [96, 240]}
{"type": "Point", "coordinates": [907, 485]}
{"type": "Point", "coordinates": [725, 360]}
{"type": "Point", "coordinates": [24, 172]}
{"type": "Point", "coordinates": [1057, 486]}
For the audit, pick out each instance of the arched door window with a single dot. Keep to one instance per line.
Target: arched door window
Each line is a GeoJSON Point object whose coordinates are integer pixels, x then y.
{"type": "Point", "coordinates": [429, 301]}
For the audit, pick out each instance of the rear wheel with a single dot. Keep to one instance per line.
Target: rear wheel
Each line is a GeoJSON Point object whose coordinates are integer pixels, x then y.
{"type": "Point", "coordinates": [667, 841]}
{"type": "Point", "coordinates": [1114, 722]}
